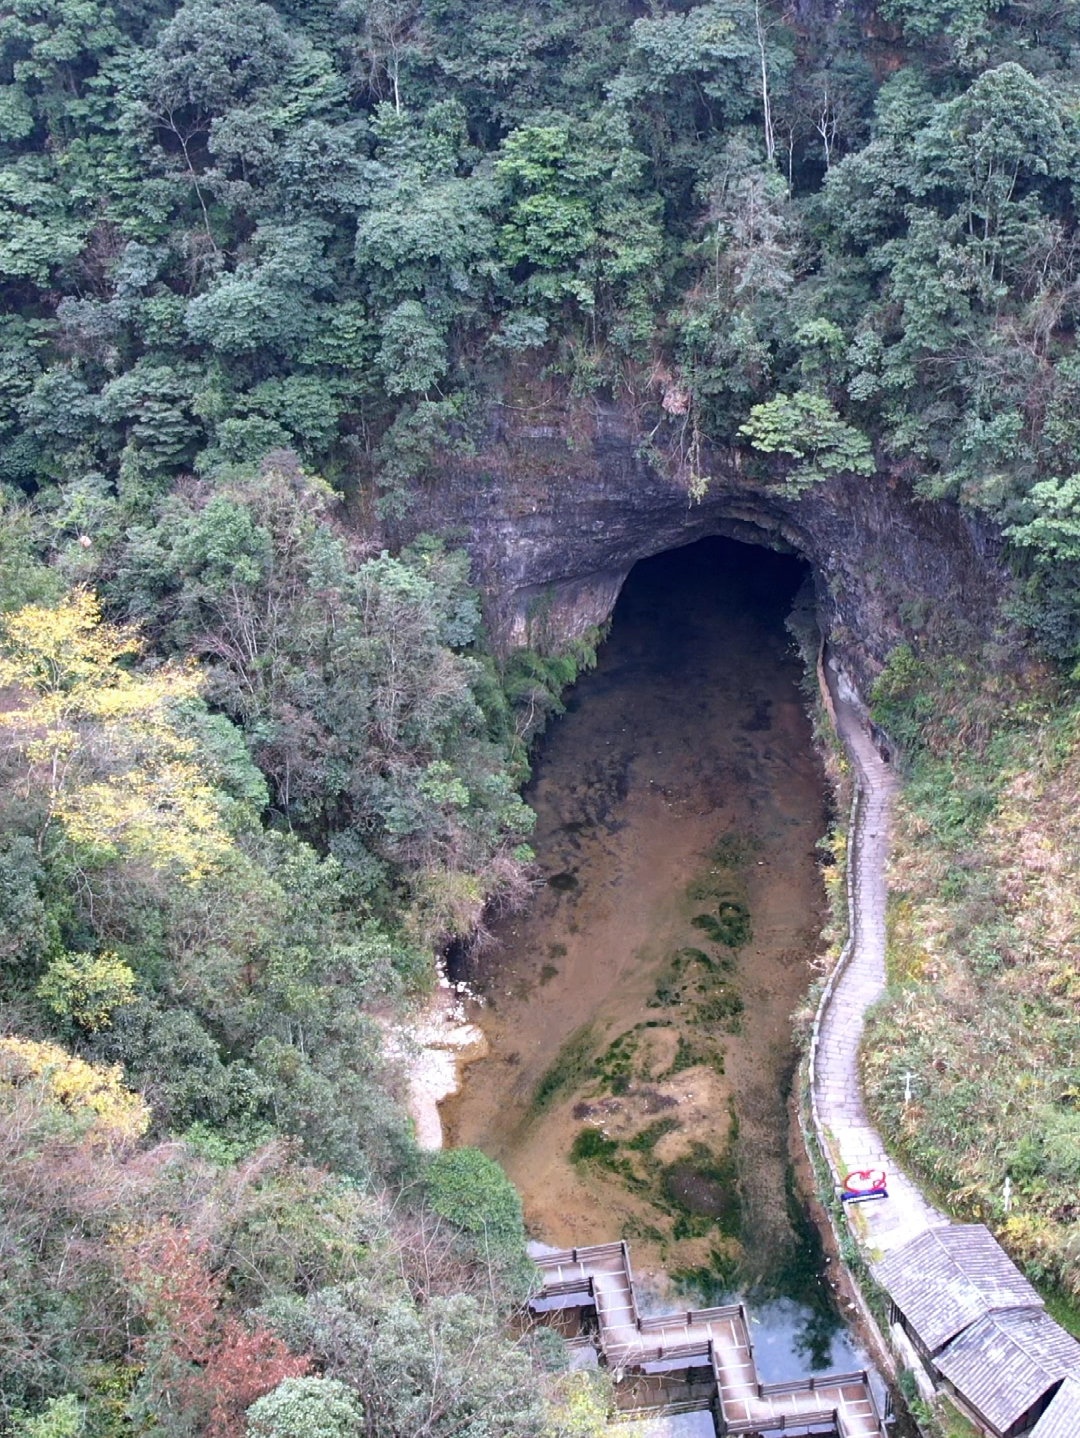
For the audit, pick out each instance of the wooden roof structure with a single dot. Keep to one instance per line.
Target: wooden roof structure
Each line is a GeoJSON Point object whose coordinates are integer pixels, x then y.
{"type": "Point", "coordinates": [1003, 1364]}
{"type": "Point", "coordinates": [1062, 1418]}
{"type": "Point", "coordinates": [948, 1278]}
{"type": "Point", "coordinates": [985, 1329]}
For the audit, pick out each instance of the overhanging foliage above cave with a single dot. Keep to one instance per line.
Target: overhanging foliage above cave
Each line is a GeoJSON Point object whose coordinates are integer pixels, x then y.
{"type": "Point", "coordinates": [346, 228]}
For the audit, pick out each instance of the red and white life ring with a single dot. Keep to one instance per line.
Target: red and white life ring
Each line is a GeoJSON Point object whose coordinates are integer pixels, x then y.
{"type": "Point", "coordinates": [865, 1180]}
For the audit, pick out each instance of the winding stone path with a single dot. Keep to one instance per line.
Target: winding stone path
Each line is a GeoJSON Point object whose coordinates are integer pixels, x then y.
{"type": "Point", "coordinates": [844, 1128]}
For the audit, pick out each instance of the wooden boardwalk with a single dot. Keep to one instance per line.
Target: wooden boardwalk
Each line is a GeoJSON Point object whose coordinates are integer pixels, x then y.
{"type": "Point", "coordinates": [716, 1340]}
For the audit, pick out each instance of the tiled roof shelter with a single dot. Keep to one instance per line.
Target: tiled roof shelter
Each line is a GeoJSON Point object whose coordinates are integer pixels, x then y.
{"type": "Point", "coordinates": [949, 1277]}
{"type": "Point", "coordinates": [1062, 1418]}
{"type": "Point", "coordinates": [982, 1332]}
{"type": "Point", "coordinates": [1006, 1363]}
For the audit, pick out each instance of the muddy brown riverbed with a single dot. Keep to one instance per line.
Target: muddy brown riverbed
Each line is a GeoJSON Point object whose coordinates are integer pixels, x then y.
{"type": "Point", "coordinates": [639, 1013]}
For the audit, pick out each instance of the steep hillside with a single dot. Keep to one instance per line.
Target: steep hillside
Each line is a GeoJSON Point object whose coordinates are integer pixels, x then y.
{"type": "Point", "coordinates": [537, 287]}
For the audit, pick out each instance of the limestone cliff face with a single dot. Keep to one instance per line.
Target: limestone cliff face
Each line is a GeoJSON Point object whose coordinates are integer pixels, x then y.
{"type": "Point", "coordinates": [555, 514]}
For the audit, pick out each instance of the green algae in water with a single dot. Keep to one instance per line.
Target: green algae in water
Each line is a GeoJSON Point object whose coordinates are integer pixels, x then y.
{"type": "Point", "coordinates": [668, 993]}
{"type": "Point", "coordinates": [572, 1066]}
{"type": "Point", "coordinates": [615, 1066]}
{"type": "Point", "coordinates": [670, 982]}
{"type": "Point", "coordinates": [735, 923]}
{"type": "Point", "coordinates": [686, 1057]}
{"type": "Point", "coordinates": [702, 1189]}
{"type": "Point", "coordinates": [800, 1276]}
{"type": "Point", "coordinates": [729, 926]}
{"type": "Point", "coordinates": [691, 956]}
{"type": "Point", "coordinates": [713, 1282]}
{"type": "Point", "coordinates": [649, 1137]}
{"type": "Point", "coordinates": [711, 964]}
{"type": "Point", "coordinates": [722, 1006]}
{"type": "Point", "coordinates": [634, 1229]}
{"type": "Point", "coordinates": [733, 850]}
{"type": "Point", "coordinates": [590, 1146]}
{"type": "Point", "coordinates": [702, 890]}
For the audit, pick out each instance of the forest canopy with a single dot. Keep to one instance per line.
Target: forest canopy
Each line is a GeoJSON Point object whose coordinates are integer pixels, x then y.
{"type": "Point", "coordinates": [231, 228]}
{"type": "Point", "coordinates": [263, 268]}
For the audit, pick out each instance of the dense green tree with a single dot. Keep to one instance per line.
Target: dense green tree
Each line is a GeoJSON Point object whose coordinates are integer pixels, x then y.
{"type": "Point", "coordinates": [579, 230]}
{"type": "Point", "coordinates": [437, 1370]}
{"type": "Point", "coordinates": [471, 1190]}
{"type": "Point", "coordinates": [306, 1408]}
{"type": "Point", "coordinates": [806, 427]}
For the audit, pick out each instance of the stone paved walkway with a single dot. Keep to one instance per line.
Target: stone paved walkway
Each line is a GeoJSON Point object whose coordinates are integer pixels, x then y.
{"type": "Point", "coordinates": [852, 1141]}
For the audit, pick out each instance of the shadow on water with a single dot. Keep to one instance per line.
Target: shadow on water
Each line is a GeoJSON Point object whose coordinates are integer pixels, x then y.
{"type": "Point", "coordinates": [639, 1014]}
{"type": "Point", "coordinates": [795, 1325]}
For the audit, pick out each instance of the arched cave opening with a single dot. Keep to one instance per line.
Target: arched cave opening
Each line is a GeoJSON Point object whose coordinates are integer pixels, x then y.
{"type": "Point", "coordinates": [716, 611]}
{"type": "Point", "coordinates": [668, 598]}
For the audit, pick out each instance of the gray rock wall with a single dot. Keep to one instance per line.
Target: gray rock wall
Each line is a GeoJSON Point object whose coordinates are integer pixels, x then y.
{"type": "Point", "coordinates": [555, 516]}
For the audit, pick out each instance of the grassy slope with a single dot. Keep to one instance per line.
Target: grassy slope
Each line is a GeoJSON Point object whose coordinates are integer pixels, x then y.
{"type": "Point", "coordinates": [983, 1007]}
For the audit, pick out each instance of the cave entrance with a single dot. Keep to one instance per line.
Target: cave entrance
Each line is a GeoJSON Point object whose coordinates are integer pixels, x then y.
{"type": "Point", "coordinates": [639, 1012]}
{"type": "Point", "coordinates": [682, 607]}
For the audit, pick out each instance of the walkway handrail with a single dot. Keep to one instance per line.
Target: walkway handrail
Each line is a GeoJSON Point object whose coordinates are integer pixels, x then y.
{"type": "Point", "coordinates": [813, 1383]}
{"type": "Point", "coordinates": [584, 1284]}
{"type": "Point", "coordinates": [691, 1316]}
{"type": "Point", "coordinates": [578, 1255]}
{"type": "Point", "coordinates": [756, 1428]}
{"type": "Point", "coordinates": [636, 1345]}
{"type": "Point", "coordinates": [663, 1353]}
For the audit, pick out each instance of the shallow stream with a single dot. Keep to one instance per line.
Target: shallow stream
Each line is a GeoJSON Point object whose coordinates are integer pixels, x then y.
{"type": "Point", "coordinates": [639, 1013]}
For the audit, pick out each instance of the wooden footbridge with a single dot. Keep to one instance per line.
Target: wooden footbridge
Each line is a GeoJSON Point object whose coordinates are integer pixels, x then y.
{"type": "Point", "coordinates": [699, 1360]}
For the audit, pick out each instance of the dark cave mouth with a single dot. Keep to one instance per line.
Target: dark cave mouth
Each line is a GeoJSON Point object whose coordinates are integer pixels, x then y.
{"type": "Point", "coordinates": [682, 593]}
{"type": "Point", "coordinates": [670, 610]}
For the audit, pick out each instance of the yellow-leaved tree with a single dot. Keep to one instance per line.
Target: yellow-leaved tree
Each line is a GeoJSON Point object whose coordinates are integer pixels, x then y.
{"type": "Point", "coordinates": [86, 989]}
{"type": "Point", "coordinates": [98, 740]}
{"type": "Point", "coordinates": [92, 1094]}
